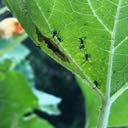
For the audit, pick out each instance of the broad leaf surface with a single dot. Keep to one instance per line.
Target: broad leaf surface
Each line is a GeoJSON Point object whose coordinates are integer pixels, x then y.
{"type": "Point", "coordinates": [16, 99]}
{"type": "Point", "coordinates": [103, 24]}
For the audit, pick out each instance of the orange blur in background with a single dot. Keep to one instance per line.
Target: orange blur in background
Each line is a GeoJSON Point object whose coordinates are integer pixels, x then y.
{"type": "Point", "coordinates": [10, 27]}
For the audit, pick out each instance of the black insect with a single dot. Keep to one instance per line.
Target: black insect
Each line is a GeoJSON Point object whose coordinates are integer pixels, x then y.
{"type": "Point", "coordinates": [96, 84]}
{"type": "Point", "coordinates": [60, 40]}
{"type": "Point", "coordinates": [82, 43]}
{"type": "Point", "coordinates": [82, 47]}
{"type": "Point", "coordinates": [56, 35]}
{"type": "Point", "coordinates": [87, 56]}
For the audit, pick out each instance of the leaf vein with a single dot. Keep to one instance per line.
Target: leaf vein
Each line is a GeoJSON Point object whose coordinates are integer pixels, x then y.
{"type": "Point", "coordinates": [97, 17]}
{"type": "Point", "coordinates": [53, 8]}
{"type": "Point", "coordinates": [45, 18]}
{"type": "Point", "coordinates": [121, 42]}
{"type": "Point", "coordinates": [111, 55]}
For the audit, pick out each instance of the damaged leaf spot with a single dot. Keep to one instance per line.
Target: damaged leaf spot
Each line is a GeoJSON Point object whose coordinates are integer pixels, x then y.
{"type": "Point", "coordinates": [51, 45]}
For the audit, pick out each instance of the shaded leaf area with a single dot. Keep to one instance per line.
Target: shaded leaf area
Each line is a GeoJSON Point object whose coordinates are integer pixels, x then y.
{"type": "Point", "coordinates": [118, 114]}
{"type": "Point", "coordinates": [16, 99]}
{"type": "Point", "coordinates": [54, 79]}
{"type": "Point", "coordinates": [12, 105]}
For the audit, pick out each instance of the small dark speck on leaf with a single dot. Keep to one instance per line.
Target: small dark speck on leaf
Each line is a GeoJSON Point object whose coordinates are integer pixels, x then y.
{"type": "Point", "coordinates": [55, 34]}
{"type": "Point", "coordinates": [96, 83]}
{"type": "Point", "coordinates": [85, 24]}
{"type": "Point", "coordinates": [114, 71]}
{"type": "Point", "coordinates": [48, 10]}
{"type": "Point", "coordinates": [60, 40]}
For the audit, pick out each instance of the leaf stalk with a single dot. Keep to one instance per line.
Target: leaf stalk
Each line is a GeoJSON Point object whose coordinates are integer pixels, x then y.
{"type": "Point", "coordinates": [104, 114]}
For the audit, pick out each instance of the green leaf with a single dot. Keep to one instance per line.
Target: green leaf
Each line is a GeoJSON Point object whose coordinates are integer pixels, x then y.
{"type": "Point", "coordinates": [118, 114]}
{"type": "Point", "coordinates": [5, 65]}
{"type": "Point", "coordinates": [106, 38]}
{"type": "Point", "coordinates": [16, 99]}
{"type": "Point", "coordinates": [73, 59]}
{"type": "Point", "coordinates": [34, 122]}
{"type": "Point", "coordinates": [92, 104]}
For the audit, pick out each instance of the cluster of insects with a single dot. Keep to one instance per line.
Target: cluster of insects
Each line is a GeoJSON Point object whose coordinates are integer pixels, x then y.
{"type": "Point", "coordinates": [87, 56]}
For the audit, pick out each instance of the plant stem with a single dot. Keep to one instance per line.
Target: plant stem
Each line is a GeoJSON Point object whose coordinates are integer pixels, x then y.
{"type": "Point", "coordinates": [104, 114]}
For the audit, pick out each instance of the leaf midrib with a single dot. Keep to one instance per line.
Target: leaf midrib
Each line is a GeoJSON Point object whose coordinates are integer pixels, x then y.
{"type": "Point", "coordinates": [111, 55]}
